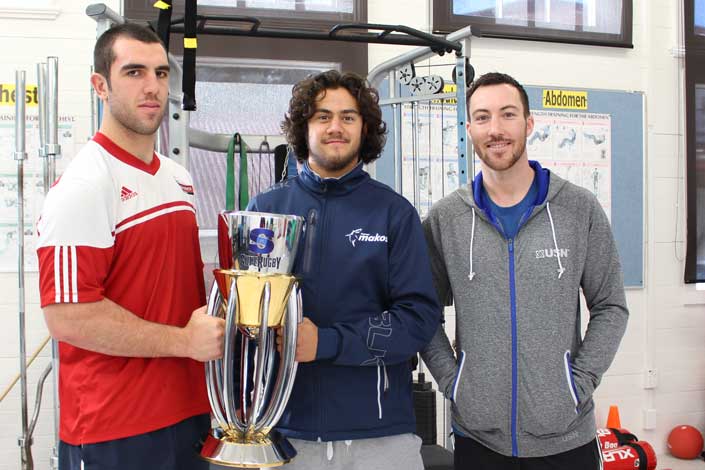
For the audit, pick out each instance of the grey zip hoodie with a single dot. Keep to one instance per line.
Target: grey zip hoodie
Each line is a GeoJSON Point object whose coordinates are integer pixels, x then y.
{"type": "Point", "coordinates": [522, 380]}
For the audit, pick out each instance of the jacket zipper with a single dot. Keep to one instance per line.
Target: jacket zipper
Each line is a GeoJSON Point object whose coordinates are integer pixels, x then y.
{"type": "Point", "coordinates": [513, 315]}
{"type": "Point", "coordinates": [310, 240]}
{"type": "Point", "coordinates": [512, 300]}
{"type": "Point", "coordinates": [323, 220]}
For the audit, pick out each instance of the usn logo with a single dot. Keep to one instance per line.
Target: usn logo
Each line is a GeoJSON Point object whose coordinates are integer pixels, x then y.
{"type": "Point", "coordinates": [358, 235]}
{"type": "Point", "coordinates": [552, 253]}
{"type": "Point", "coordinates": [261, 241]}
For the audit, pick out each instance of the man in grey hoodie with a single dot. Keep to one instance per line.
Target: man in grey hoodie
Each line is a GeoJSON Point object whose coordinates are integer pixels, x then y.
{"type": "Point", "coordinates": [512, 252]}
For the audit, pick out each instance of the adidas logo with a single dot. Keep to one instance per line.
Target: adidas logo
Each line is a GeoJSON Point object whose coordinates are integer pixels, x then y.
{"type": "Point", "coordinates": [127, 194]}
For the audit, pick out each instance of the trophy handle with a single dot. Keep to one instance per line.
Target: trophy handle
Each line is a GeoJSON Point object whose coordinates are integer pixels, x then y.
{"type": "Point", "coordinates": [288, 365]}
{"type": "Point", "coordinates": [228, 384]}
{"type": "Point", "coordinates": [214, 395]}
{"type": "Point", "coordinates": [268, 379]}
{"type": "Point", "coordinates": [262, 343]}
{"type": "Point", "coordinates": [241, 414]}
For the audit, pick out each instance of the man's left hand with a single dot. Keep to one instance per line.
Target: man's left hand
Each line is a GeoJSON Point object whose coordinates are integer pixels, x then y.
{"type": "Point", "coordinates": [306, 341]}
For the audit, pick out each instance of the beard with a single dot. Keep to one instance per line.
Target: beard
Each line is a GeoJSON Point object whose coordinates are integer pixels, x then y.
{"type": "Point", "coordinates": [497, 164]}
{"type": "Point", "coordinates": [129, 119]}
{"type": "Point", "coordinates": [334, 163]}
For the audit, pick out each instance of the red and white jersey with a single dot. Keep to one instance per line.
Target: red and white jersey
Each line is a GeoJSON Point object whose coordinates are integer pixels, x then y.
{"type": "Point", "coordinates": [114, 227]}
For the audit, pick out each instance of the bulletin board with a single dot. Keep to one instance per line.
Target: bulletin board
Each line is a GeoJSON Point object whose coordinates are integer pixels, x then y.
{"type": "Point", "coordinates": [605, 132]}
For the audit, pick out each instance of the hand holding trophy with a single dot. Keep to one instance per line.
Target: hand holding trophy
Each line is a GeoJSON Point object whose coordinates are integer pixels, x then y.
{"type": "Point", "coordinates": [256, 294]}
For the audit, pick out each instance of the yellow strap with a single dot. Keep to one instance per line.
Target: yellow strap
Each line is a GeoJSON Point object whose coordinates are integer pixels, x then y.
{"type": "Point", "coordinates": [161, 5]}
{"type": "Point", "coordinates": [190, 43]}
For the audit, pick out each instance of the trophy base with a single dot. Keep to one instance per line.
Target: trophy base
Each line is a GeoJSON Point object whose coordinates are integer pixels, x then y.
{"type": "Point", "coordinates": [273, 451]}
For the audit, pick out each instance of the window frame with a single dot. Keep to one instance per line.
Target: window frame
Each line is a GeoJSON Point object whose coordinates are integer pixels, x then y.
{"type": "Point", "coordinates": [445, 21]}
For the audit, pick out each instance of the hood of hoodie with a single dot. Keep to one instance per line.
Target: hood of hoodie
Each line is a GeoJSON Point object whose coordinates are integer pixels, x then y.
{"type": "Point", "coordinates": [548, 186]}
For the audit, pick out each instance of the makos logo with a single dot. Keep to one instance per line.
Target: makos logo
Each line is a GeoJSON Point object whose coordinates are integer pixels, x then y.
{"type": "Point", "coordinates": [261, 241]}
{"type": "Point", "coordinates": [358, 235]}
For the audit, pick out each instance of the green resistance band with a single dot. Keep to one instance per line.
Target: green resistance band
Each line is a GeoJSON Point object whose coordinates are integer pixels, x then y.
{"type": "Point", "coordinates": [244, 196]}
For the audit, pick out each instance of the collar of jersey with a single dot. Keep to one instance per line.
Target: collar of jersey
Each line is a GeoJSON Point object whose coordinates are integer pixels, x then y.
{"type": "Point", "coordinates": [126, 157]}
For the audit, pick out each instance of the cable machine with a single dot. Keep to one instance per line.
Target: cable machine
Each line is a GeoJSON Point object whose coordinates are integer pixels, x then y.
{"type": "Point", "coordinates": [398, 71]}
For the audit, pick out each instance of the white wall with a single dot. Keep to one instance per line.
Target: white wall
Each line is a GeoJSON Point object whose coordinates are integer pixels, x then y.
{"type": "Point", "coordinates": [667, 318]}
{"type": "Point", "coordinates": [667, 324]}
{"type": "Point", "coordinates": [28, 36]}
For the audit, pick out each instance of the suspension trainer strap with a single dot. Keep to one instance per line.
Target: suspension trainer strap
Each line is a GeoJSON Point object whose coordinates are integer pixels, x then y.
{"type": "Point", "coordinates": [164, 23]}
{"type": "Point", "coordinates": [190, 46]}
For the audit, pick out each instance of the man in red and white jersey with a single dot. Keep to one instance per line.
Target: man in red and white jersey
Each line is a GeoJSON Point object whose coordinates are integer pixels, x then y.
{"type": "Point", "coordinates": [121, 279]}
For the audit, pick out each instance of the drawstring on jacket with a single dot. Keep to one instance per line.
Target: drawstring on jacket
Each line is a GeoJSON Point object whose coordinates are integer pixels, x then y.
{"type": "Point", "coordinates": [330, 449]}
{"type": "Point", "coordinates": [471, 274]}
{"type": "Point", "coordinates": [381, 367]}
{"type": "Point", "coordinates": [561, 269]}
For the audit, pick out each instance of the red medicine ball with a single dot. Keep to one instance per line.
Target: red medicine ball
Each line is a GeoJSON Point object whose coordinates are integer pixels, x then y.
{"type": "Point", "coordinates": [685, 442]}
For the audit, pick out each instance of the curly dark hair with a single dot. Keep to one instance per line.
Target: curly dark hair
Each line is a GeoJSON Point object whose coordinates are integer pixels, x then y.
{"type": "Point", "coordinates": [496, 78]}
{"type": "Point", "coordinates": [303, 105]}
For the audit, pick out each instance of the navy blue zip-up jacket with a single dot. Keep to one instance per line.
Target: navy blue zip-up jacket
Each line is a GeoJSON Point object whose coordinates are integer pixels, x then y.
{"type": "Point", "coordinates": [366, 284]}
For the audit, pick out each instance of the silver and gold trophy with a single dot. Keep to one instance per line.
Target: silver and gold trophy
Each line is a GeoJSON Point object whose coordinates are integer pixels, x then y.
{"type": "Point", "coordinates": [256, 294]}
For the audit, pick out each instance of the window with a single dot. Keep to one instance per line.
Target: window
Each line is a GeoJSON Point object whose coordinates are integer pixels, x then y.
{"type": "Point", "coordinates": [260, 91]}
{"type": "Point", "coordinates": [315, 15]}
{"type": "Point", "coordinates": [699, 20]}
{"type": "Point", "coordinates": [596, 22]}
{"type": "Point", "coordinates": [331, 6]}
{"type": "Point", "coordinates": [299, 14]}
{"type": "Point", "coordinates": [695, 138]}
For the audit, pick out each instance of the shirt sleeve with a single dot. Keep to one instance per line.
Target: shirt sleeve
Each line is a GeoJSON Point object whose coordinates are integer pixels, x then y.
{"type": "Point", "coordinates": [75, 242]}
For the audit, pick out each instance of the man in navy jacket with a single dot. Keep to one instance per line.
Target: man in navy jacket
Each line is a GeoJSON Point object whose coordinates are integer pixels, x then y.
{"type": "Point", "coordinates": [368, 296]}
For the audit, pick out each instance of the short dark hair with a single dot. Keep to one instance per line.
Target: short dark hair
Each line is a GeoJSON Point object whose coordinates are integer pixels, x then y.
{"type": "Point", "coordinates": [496, 78]}
{"type": "Point", "coordinates": [303, 105]}
{"type": "Point", "coordinates": [103, 54]}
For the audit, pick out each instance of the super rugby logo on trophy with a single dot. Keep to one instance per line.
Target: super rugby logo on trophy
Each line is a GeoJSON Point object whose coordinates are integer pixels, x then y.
{"type": "Point", "coordinates": [261, 243]}
{"type": "Point", "coordinates": [256, 294]}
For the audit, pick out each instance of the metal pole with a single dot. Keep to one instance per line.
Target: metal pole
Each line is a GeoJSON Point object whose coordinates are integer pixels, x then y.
{"type": "Point", "coordinates": [104, 17]}
{"type": "Point", "coordinates": [465, 161]}
{"type": "Point", "coordinates": [53, 151]}
{"type": "Point", "coordinates": [429, 189]}
{"type": "Point", "coordinates": [443, 153]}
{"type": "Point", "coordinates": [24, 441]}
{"type": "Point", "coordinates": [42, 98]}
{"type": "Point", "coordinates": [415, 154]}
{"type": "Point", "coordinates": [397, 133]}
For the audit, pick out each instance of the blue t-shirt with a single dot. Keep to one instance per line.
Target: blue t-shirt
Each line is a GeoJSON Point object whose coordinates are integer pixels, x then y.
{"type": "Point", "coordinates": [509, 218]}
